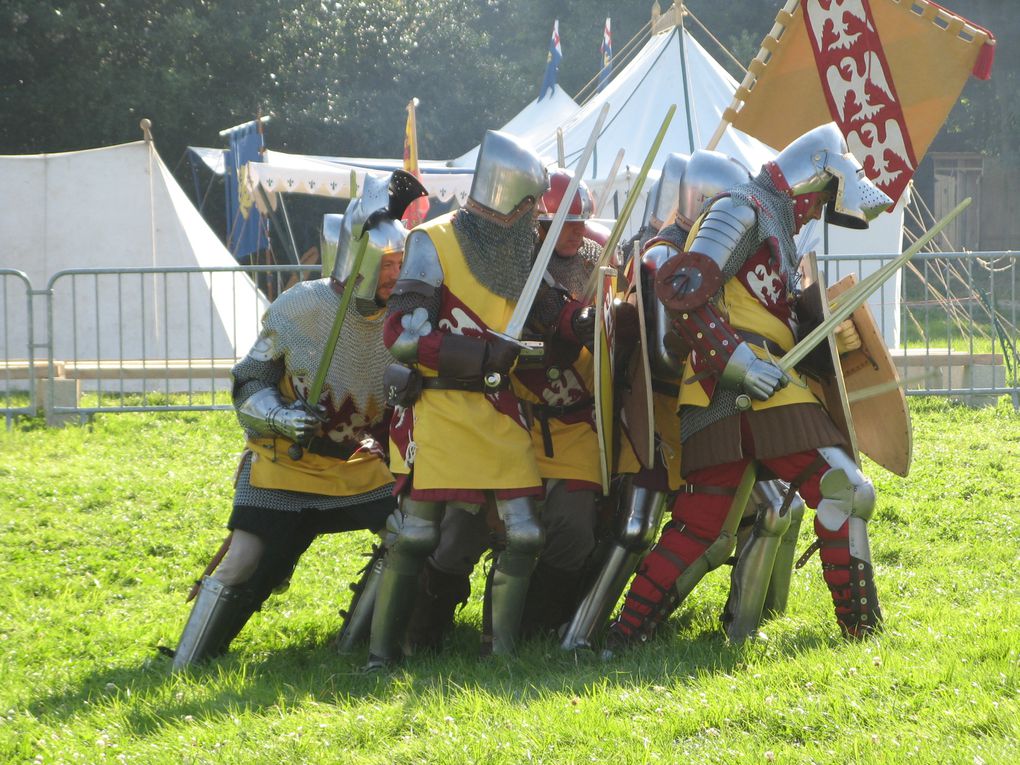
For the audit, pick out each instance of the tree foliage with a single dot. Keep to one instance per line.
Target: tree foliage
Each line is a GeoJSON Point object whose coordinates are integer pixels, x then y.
{"type": "Point", "coordinates": [337, 75]}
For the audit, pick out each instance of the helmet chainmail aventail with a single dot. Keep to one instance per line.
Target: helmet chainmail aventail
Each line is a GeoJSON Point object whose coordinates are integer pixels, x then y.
{"type": "Point", "coordinates": [498, 257]}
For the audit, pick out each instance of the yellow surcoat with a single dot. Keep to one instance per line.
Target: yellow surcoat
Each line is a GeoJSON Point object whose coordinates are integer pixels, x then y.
{"type": "Point", "coordinates": [459, 439]}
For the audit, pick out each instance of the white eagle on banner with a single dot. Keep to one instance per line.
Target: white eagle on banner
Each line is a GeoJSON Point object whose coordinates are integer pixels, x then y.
{"type": "Point", "coordinates": [836, 13]}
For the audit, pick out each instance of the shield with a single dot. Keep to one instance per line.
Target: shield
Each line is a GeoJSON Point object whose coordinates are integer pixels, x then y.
{"type": "Point", "coordinates": [637, 416]}
{"type": "Point", "coordinates": [832, 388]}
{"type": "Point", "coordinates": [882, 421]}
{"type": "Point", "coordinates": [604, 331]}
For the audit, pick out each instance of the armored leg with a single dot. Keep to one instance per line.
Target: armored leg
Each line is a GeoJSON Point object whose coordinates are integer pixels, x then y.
{"type": "Point", "coordinates": [357, 622]}
{"type": "Point", "coordinates": [681, 559]}
{"type": "Point", "coordinates": [642, 516]}
{"type": "Point", "coordinates": [415, 527]}
{"type": "Point", "coordinates": [219, 613]}
{"type": "Point", "coordinates": [752, 573]}
{"type": "Point", "coordinates": [511, 571]}
{"type": "Point", "coordinates": [779, 586]}
{"type": "Point", "coordinates": [841, 518]}
{"type": "Point", "coordinates": [440, 593]}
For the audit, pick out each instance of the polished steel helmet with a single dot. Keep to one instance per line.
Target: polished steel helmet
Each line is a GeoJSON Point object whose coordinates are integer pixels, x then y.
{"type": "Point", "coordinates": [582, 206]}
{"type": "Point", "coordinates": [708, 174]}
{"type": "Point", "coordinates": [668, 189]}
{"type": "Point", "coordinates": [507, 172]}
{"type": "Point", "coordinates": [373, 221]}
{"type": "Point", "coordinates": [820, 160]}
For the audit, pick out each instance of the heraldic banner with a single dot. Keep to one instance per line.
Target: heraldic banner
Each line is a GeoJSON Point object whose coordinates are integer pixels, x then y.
{"type": "Point", "coordinates": [886, 71]}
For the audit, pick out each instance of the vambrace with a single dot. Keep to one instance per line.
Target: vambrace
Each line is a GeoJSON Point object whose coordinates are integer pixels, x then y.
{"type": "Point", "coordinates": [707, 332]}
{"type": "Point", "coordinates": [262, 367]}
{"type": "Point", "coordinates": [664, 362]}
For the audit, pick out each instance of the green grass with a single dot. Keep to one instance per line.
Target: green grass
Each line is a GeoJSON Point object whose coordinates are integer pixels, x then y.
{"type": "Point", "coordinates": [105, 526]}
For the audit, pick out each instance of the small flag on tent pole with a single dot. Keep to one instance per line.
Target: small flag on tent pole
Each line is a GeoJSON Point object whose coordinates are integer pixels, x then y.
{"type": "Point", "coordinates": [606, 49]}
{"type": "Point", "coordinates": [887, 72]}
{"type": "Point", "coordinates": [552, 66]}
{"type": "Point", "coordinates": [419, 208]}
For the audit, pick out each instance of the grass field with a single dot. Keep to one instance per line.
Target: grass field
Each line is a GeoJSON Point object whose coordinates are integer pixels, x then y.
{"type": "Point", "coordinates": [105, 527]}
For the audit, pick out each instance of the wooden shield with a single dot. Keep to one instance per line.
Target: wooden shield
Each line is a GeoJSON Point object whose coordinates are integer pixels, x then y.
{"type": "Point", "coordinates": [604, 332]}
{"type": "Point", "coordinates": [832, 389]}
{"type": "Point", "coordinates": [637, 416]}
{"type": "Point", "coordinates": [879, 412]}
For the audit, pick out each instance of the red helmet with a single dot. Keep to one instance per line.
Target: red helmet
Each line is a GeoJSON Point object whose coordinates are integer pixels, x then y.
{"type": "Point", "coordinates": [581, 208]}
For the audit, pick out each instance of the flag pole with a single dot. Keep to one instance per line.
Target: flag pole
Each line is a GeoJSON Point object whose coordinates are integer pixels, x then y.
{"type": "Point", "coordinates": [754, 69]}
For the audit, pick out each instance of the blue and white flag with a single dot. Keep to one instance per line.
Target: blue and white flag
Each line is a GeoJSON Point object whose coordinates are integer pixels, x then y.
{"type": "Point", "coordinates": [606, 49]}
{"type": "Point", "coordinates": [246, 227]}
{"type": "Point", "coordinates": [552, 67]}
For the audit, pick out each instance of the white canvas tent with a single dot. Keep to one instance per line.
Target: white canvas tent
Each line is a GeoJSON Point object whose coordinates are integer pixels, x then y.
{"type": "Point", "coordinates": [118, 208]}
{"type": "Point", "coordinates": [671, 68]}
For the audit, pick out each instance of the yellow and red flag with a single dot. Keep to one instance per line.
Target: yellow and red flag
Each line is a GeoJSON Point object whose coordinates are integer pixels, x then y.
{"type": "Point", "coordinates": [886, 71]}
{"type": "Point", "coordinates": [419, 208]}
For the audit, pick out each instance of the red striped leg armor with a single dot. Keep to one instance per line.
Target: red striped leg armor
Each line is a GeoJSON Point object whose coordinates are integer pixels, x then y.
{"type": "Point", "coordinates": [851, 583]}
{"type": "Point", "coordinates": [697, 520]}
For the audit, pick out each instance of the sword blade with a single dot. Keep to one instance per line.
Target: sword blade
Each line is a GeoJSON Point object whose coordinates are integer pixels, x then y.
{"type": "Point", "coordinates": [853, 298]}
{"type": "Point", "coordinates": [515, 327]}
{"type": "Point", "coordinates": [628, 205]}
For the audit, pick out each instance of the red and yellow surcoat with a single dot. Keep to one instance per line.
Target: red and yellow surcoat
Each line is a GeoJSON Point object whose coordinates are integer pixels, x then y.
{"type": "Point", "coordinates": [451, 439]}
{"type": "Point", "coordinates": [575, 443]}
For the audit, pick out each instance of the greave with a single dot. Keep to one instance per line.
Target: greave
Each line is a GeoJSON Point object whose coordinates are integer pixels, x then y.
{"type": "Point", "coordinates": [644, 510]}
{"type": "Point", "coordinates": [782, 570]}
{"type": "Point", "coordinates": [597, 605]}
{"type": "Point", "coordinates": [358, 617]}
{"type": "Point", "coordinates": [511, 573]}
{"type": "Point", "coordinates": [417, 533]}
{"type": "Point", "coordinates": [753, 571]}
{"type": "Point", "coordinates": [219, 613]}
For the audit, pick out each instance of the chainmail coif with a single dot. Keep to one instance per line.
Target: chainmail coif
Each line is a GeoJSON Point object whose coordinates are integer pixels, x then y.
{"type": "Point", "coordinates": [498, 257]}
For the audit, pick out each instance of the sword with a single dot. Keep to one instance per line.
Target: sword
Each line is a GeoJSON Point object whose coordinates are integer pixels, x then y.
{"type": "Point", "coordinates": [628, 206]}
{"type": "Point", "coordinates": [854, 298]}
{"type": "Point", "coordinates": [515, 327]}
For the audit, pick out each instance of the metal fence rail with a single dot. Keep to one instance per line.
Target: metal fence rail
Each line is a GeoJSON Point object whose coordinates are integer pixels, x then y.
{"type": "Point", "coordinates": [164, 339]}
{"type": "Point", "coordinates": [957, 316]}
{"type": "Point", "coordinates": [17, 358]}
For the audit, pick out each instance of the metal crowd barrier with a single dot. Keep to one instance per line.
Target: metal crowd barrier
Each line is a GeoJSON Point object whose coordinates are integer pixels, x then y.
{"type": "Point", "coordinates": [164, 339]}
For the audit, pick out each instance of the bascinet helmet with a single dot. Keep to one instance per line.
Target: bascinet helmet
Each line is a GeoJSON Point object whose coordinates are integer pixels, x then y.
{"type": "Point", "coordinates": [820, 160]}
{"type": "Point", "coordinates": [373, 220]}
{"type": "Point", "coordinates": [507, 175]}
{"type": "Point", "coordinates": [582, 206]}
{"type": "Point", "coordinates": [667, 190]}
{"type": "Point", "coordinates": [708, 174]}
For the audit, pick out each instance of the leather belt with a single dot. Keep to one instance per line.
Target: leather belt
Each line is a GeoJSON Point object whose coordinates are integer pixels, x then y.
{"type": "Point", "coordinates": [326, 447]}
{"type": "Point", "coordinates": [770, 345]}
{"type": "Point", "coordinates": [469, 384]}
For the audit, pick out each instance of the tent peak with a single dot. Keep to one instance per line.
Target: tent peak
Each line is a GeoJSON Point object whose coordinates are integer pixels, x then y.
{"type": "Point", "coordinates": [146, 125]}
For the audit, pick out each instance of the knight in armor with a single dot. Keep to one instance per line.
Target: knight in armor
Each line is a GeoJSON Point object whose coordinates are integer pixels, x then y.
{"type": "Point", "coordinates": [309, 467]}
{"type": "Point", "coordinates": [556, 388]}
{"type": "Point", "coordinates": [686, 183]}
{"type": "Point", "coordinates": [459, 433]}
{"type": "Point", "coordinates": [731, 298]}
